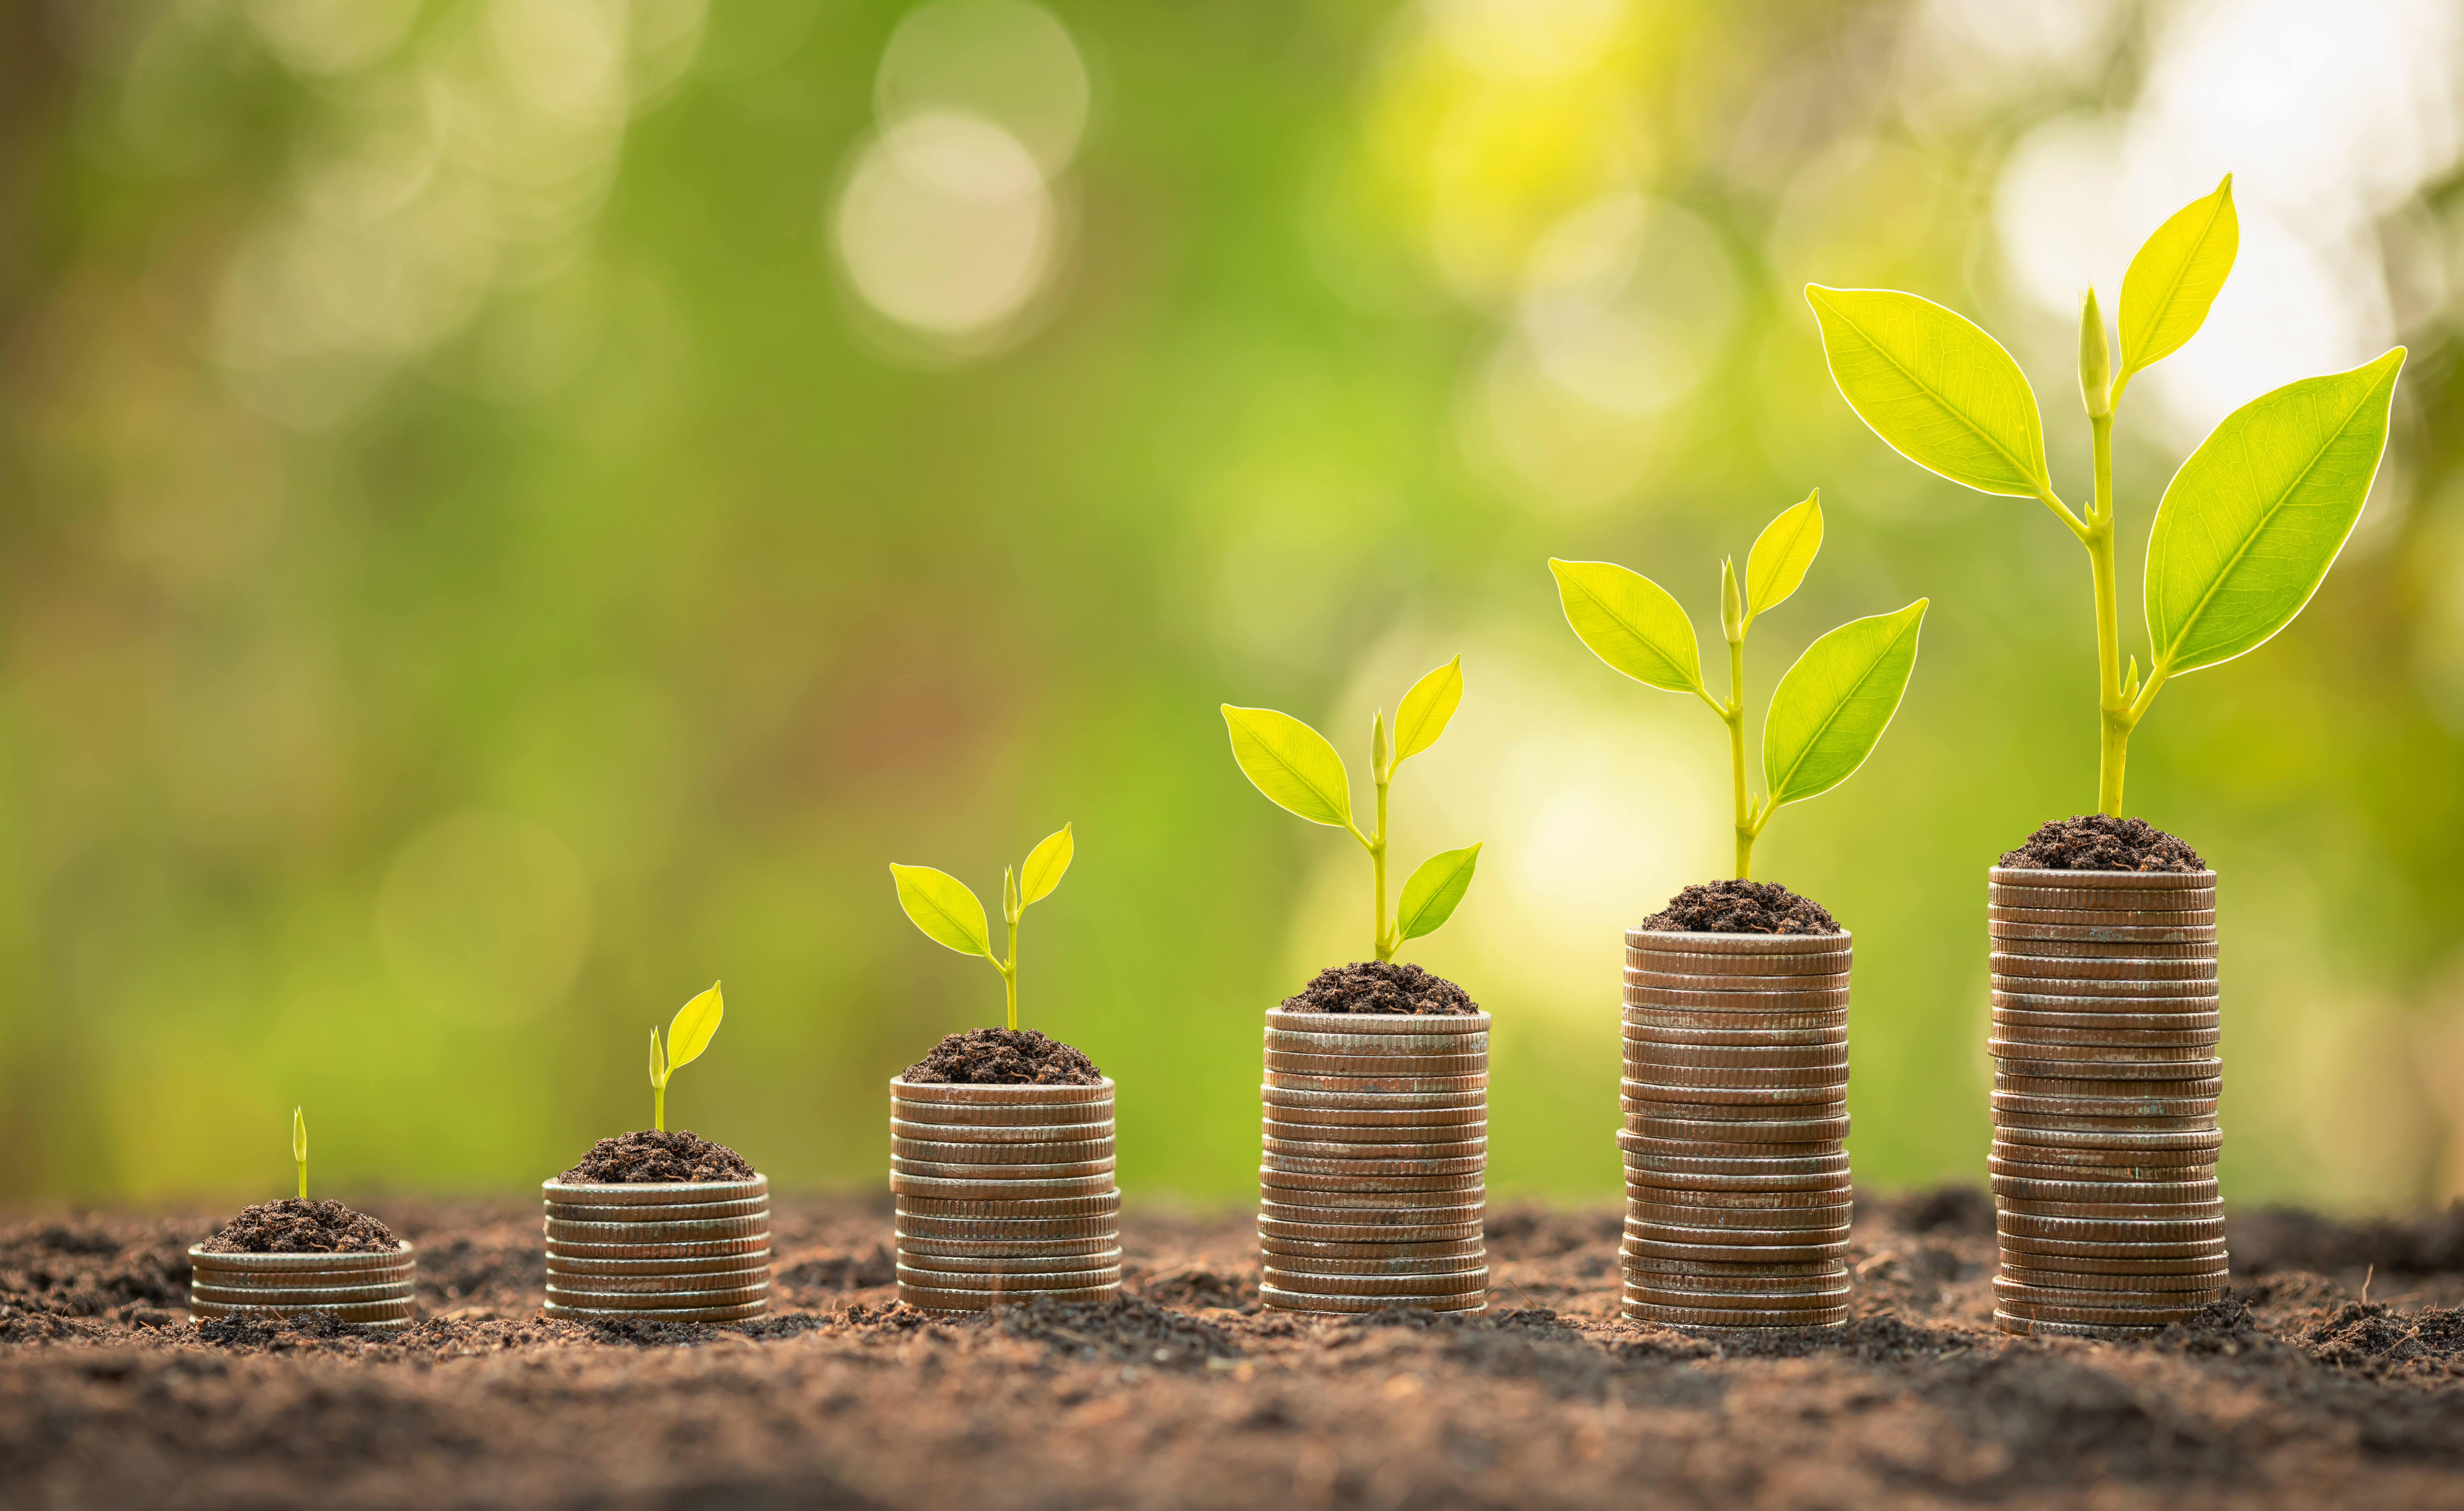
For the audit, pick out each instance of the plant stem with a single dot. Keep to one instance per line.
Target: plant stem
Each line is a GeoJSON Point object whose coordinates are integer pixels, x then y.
{"type": "Point", "coordinates": [1377, 868]}
{"type": "Point", "coordinates": [1009, 975]}
{"type": "Point", "coordinates": [1734, 717]}
{"type": "Point", "coordinates": [659, 1109]}
{"type": "Point", "coordinates": [303, 1180]}
{"type": "Point", "coordinates": [2113, 700]}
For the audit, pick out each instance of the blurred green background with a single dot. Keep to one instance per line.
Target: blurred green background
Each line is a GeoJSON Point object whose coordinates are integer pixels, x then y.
{"type": "Point", "coordinates": [516, 508]}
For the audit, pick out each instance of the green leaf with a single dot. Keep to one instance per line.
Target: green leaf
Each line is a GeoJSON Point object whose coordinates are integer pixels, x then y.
{"type": "Point", "coordinates": [1630, 622]}
{"type": "Point", "coordinates": [658, 1062]}
{"type": "Point", "coordinates": [299, 1135]}
{"type": "Point", "coordinates": [1833, 704]}
{"type": "Point", "coordinates": [1781, 554]}
{"type": "Point", "coordinates": [1291, 764]}
{"type": "Point", "coordinates": [2251, 523]}
{"type": "Point", "coordinates": [688, 1032]}
{"type": "Point", "coordinates": [1431, 895]}
{"type": "Point", "coordinates": [944, 908]}
{"type": "Point", "coordinates": [2175, 278]}
{"type": "Point", "coordinates": [1937, 388]}
{"type": "Point", "coordinates": [1045, 865]}
{"type": "Point", "coordinates": [1422, 715]}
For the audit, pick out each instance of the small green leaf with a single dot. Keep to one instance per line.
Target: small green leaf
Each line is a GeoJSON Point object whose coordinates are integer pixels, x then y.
{"type": "Point", "coordinates": [944, 908]}
{"type": "Point", "coordinates": [1432, 892]}
{"type": "Point", "coordinates": [688, 1032]}
{"type": "Point", "coordinates": [1935, 387]}
{"type": "Point", "coordinates": [1630, 622]}
{"type": "Point", "coordinates": [1045, 865]}
{"type": "Point", "coordinates": [658, 1062]}
{"type": "Point", "coordinates": [1291, 764]}
{"type": "Point", "coordinates": [299, 1135]}
{"type": "Point", "coordinates": [1833, 704]}
{"type": "Point", "coordinates": [1781, 554]}
{"type": "Point", "coordinates": [1422, 715]}
{"type": "Point", "coordinates": [2251, 523]}
{"type": "Point", "coordinates": [2175, 278]}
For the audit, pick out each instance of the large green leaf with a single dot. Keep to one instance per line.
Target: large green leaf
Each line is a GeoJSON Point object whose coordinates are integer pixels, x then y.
{"type": "Point", "coordinates": [1425, 710]}
{"type": "Point", "coordinates": [2251, 523]}
{"type": "Point", "coordinates": [1045, 865]}
{"type": "Point", "coordinates": [1935, 387]}
{"type": "Point", "coordinates": [1434, 889]}
{"type": "Point", "coordinates": [2175, 277]}
{"type": "Point", "coordinates": [688, 1032]}
{"type": "Point", "coordinates": [1836, 702]}
{"type": "Point", "coordinates": [1630, 622]}
{"type": "Point", "coordinates": [1291, 764]}
{"type": "Point", "coordinates": [1781, 555]}
{"type": "Point", "coordinates": [944, 908]}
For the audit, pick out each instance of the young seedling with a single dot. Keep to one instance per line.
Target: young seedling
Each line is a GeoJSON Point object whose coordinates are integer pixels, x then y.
{"type": "Point", "coordinates": [941, 905]}
{"type": "Point", "coordinates": [2250, 523]}
{"type": "Point", "coordinates": [300, 1148]}
{"type": "Point", "coordinates": [1298, 769]}
{"type": "Point", "coordinates": [689, 1034]}
{"type": "Point", "coordinates": [1827, 713]}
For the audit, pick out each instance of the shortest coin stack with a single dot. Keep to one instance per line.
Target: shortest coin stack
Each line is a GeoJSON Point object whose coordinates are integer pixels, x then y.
{"type": "Point", "coordinates": [2105, 1076]}
{"type": "Point", "coordinates": [1004, 1192]}
{"type": "Point", "coordinates": [665, 1251]}
{"type": "Point", "coordinates": [363, 1290]}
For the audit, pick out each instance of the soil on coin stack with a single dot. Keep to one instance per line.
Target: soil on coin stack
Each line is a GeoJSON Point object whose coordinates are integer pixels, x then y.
{"type": "Point", "coordinates": [2292, 1393]}
{"type": "Point", "coordinates": [292, 1226]}
{"type": "Point", "coordinates": [1003, 1058]}
{"type": "Point", "coordinates": [2102, 842]}
{"type": "Point", "coordinates": [1741, 907]}
{"type": "Point", "coordinates": [645, 1157]}
{"type": "Point", "coordinates": [1381, 986]}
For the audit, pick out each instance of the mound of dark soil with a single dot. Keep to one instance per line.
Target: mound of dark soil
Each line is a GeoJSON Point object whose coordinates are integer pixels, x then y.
{"type": "Point", "coordinates": [1381, 986]}
{"type": "Point", "coordinates": [292, 1226]}
{"type": "Point", "coordinates": [2102, 842]}
{"type": "Point", "coordinates": [644, 1157]}
{"type": "Point", "coordinates": [1003, 1058]}
{"type": "Point", "coordinates": [1741, 907]}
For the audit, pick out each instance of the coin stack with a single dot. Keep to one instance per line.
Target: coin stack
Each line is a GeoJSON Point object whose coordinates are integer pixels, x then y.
{"type": "Point", "coordinates": [1004, 1192]}
{"type": "Point", "coordinates": [1736, 1120]}
{"type": "Point", "coordinates": [1371, 1190]}
{"type": "Point", "coordinates": [364, 1290]}
{"type": "Point", "coordinates": [658, 1252]}
{"type": "Point", "coordinates": [2106, 1076]}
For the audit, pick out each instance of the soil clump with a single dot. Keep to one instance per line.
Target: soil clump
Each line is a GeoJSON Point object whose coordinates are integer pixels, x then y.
{"type": "Point", "coordinates": [1381, 986]}
{"type": "Point", "coordinates": [647, 1157]}
{"type": "Point", "coordinates": [2102, 842]}
{"type": "Point", "coordinates": [1733, 906]}
{"type": "Point", "coordinates": [1003, 1058]}
{"type": "Point", "coordinates": [292, 1226]}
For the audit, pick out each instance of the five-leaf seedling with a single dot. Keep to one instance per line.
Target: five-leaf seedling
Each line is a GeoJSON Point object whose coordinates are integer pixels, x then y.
{"type": "Point", "coordinates": [300, 1148]}
{"type": "Point", "coordinates": [689, 1034]}
{"type": "Point", "coordinates": [2247, 529]}
{"type": "Point", "coordinates": [1826, 714]}
{"type": "Point", "coordinates": [1296, 767]}
{"type": "Point", "coordinates": [943, 907]}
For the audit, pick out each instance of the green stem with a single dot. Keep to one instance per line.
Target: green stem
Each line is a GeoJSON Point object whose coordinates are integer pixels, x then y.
{"type": "Point", "coordinates": [1009, 975]}
{"type": "Point", "coordinates": [303, 1180]}
{"type": "Point", "coordinates": [1734, 717]}
{"type": "Point", "coordinates": [1386, 946]}
{"type": "Point", "coordinates": [2113, 700]}
{"type": "Point", "coordinates": [659, 1109]}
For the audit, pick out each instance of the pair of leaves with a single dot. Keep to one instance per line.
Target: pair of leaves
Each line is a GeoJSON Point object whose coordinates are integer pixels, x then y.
{"type": "Point", "coordinates": [689, 1034]}
{"type": "Point", "coordinates": [1637, 627]}
{"type": "Point", "coordinates": [950, 914]}
{"type": "Point", "coordinates": [1299, 769]}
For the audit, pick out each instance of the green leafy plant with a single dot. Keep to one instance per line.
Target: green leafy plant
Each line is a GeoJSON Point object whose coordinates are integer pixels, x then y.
{"type": "Point", "coordinates": [1299, 770]}
{"type": "Point", "coordinates": [689, 1034]}
{"type": "Point", "coordinates": [300, 1148]}
{"type": "Point", "coordinates": [941, 905]}
{"type": "Point", "coordinates": [2250, 523]}
{"type": "Point", "coordinates": [1826, 714]}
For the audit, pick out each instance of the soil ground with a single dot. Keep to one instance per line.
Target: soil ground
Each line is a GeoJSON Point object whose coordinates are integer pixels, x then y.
{"type": "Point", "coordinates": [2294, 1393]}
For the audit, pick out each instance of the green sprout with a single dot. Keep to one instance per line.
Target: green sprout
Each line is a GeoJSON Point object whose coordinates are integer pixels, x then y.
{"type": "Point", "coordinates": [1826, 714]}
{"type": "Point", "coordinates": [941, 905]}
{"type": "Point", "coordinates": [300, 1148]}
{"type": "Point", "coordinates": [2246, 531]}
{"type": "Point", "coordinates": [1298, 769]}
{"type": "Point", "coordinates": [689, 1034]}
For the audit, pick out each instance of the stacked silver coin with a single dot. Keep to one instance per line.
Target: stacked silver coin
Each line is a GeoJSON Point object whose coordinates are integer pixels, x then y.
{"type": "Point", "coordinates": [1372, 1189]}
{"type": "Point", "coordinates": [1736, 1124]}
{"type": "Point", "coordinates": [364, 1290]}
{"type": "Point", "coordinates": [660, 1252]}
{"type": "Point", "coordinates": [1004, 1192]}
{"type": "Point", "coordinates": [2105, 1028]}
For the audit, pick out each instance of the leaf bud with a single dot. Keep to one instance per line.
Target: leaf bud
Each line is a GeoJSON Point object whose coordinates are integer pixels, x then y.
{"type": "Point", "coordinates": [1011, 907]}
{"type": "Point", "coordinates": [658, 1062]}
{"type": "Point", "coordinates": [2096, 359]}
{"type": "Point", "coordinates": [1733, 601]}
{"type": "Point", "coordinates": [1378, 745]}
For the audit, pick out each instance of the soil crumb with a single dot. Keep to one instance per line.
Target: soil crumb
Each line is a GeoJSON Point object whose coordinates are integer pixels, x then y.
{"type": "Point", "coordinates": [1732, 906]}
{"type": "Point", "coordinates": [292, 1226]}
{"type": "Point", "coordinates": [644, 1157]}
{"type": "Point", "coordinates": [1381, 986]}
{"type": "Point", "coordinates": [2102, 842]}
{"type": "Point", "coordinates": [1003, 1058]}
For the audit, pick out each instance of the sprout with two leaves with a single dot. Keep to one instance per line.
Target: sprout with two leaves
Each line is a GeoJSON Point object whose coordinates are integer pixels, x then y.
{"type": "Point", "coordinates": [1299, 769]}
{"type": "Point", "coordinates": [1827, 713]}
{"type": "Point", "coordinates": [689, 1034]}
{"type": "Point", "coordinates": [949, 914]}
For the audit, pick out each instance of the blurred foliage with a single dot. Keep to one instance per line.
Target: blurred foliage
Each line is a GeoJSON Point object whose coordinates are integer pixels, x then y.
{"type": "Point", "coordinates": [493, 538]}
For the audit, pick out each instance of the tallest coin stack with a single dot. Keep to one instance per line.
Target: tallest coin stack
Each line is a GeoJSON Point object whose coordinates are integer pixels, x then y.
{"type": "Point", "coordinates": [2106, 1076]}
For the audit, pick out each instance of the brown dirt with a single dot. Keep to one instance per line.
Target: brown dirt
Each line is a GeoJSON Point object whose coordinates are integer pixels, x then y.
{"type": "Point", "coordinates": [2101, 842]}
{"type": "Point", "coordinates": [292, 1226]}
{"type": "Point", "coordinates": [1004, 1057]}
{"type": "Point", "coordinates": [647, 1156]}
{"type": "Point", "coordinates": [2295, 1393]}
{"type": "Point", "coordinates": [1732, 906]}
{"type": "Point", "coordinates": [1381, 986]}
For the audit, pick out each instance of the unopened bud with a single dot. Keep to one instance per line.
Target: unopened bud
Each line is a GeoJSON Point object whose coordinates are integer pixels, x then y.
{"type": "Point", "coordinates": [2096, 359]}
{"type": "Point", "coordinates": [1378, 745]}
{"type": "Point", "coordinates": [1011, 907]}
{"type": "Point", "coordinates": [1733, 601]}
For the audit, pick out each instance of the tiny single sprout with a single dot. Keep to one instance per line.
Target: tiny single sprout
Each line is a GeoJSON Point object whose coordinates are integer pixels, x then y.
{"type": "Point", "coordinates": [1827, 713]}
{"type": "Point", "coordinates": [943, 907]}
{"type": "Point", "coordinates": [300, 1148]}
{"type": "Point", "coordinates": [689, 1034]}
{"type": "Point", "coordinates": [1299, 770]}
